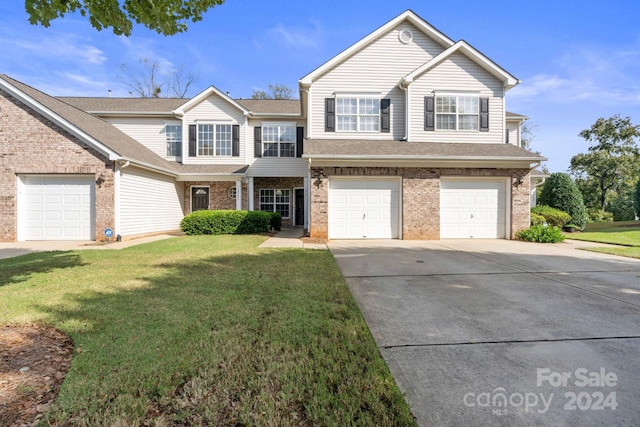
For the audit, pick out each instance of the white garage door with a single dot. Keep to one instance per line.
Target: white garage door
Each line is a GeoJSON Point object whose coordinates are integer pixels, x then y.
{"type": "Point", "coordinates": [363, 209]}
{"type": "Point", "coordinates": [57, 208]}
{"type": "Point", "coordinates": [472, 209]}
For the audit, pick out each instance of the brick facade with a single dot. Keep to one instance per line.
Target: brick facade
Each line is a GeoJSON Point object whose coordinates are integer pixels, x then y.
{"type": "Point", "coordinates": [39, 146]}
{"type": "Point", "coordinates": [277, 184]}
{"type": "Point", "coordinates": [218, 195]}
{"type": "Point", "coordinates": [420, 196]}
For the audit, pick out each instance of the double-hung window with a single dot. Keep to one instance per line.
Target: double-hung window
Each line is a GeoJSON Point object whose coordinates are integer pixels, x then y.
{"type": "Point", "coordinates": [173, 138]}
{"type": "Point", "coordinates": [275, 200]}
{"type": "Point", "coordinates": [457, 112]}
{"type": "Point", "coordinates": [278, 140]}
{"type": "Point", "coordinates": [214, 139]}
{"type": "Point", "coordinates": [358, 114]}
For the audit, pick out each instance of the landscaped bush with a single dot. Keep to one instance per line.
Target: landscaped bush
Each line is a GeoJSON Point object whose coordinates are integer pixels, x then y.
{"type": "Point", "coordinates": [622, 208]}
{"type": "Point", "coordinates": [225, 222]}
{"type": "Point", "coordinates": [541, 234]}
{"type": "Point", "coordinates": [552, 216]}
{"type": "Point", "coordinates": [562, 193]}
{"type": "Point", "coordinates": [537, 219]}
{"type": "Point", "coordinates": [598, 215]}
{"type": "Point", "coordinates": [276, 221]}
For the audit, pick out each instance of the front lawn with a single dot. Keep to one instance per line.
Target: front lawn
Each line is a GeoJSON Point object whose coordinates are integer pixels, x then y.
{"type": "Point", "coordinates": [626, 234]}
{"type": "Point", "coordinates": [206, 330]}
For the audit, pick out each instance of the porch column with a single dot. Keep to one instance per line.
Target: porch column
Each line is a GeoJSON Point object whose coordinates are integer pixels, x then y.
{"type": "Point", "coordinates": [239, 194]}
{"type": "Point", "coordinates": [307, 201]}
{"type": "Point", "coordinates": [250, 193]}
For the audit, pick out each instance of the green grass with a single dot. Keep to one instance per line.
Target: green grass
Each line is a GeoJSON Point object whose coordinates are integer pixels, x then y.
{"type": "Point", "coordinates": [629, 252]}
{"type": "Point", "coordinates": [206, 330]}
{"type": "Point", "coordinates": [625, 233]}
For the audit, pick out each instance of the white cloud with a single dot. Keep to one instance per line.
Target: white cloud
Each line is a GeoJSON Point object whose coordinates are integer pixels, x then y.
{"type": "Point", "coordinates": [294, 37]}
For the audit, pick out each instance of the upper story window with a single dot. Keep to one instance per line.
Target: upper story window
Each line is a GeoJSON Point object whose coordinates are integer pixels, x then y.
{"type": "Point", "coordinates": [173, 137]}
{"type": "Point", "coordinates": [357, 114]}
{"type": "Point", "coordinates": [279, 141]}
{"type": "Point", "coordinates": [210, 139]}
{"type": "Point", "coordinates": [456, 112]}
{"type": "Point", "coordinates": [214, 140]}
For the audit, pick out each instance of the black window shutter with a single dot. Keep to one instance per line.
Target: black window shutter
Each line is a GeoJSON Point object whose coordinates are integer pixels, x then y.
{"type": "Point", "coordinates": [235, 140]}
{"type": "Point", "coordinates": [299, 141]}
{"type": "Point", "coordinates": [484, 114]}
{"type": "Point", "coordinates": [193, 145]}
{"type": "Point", "coordinates": [429, 113]}
{"type": "Point", "coordinates": [329, 114]}
{"type": "Point", "coordinates": [385, 107]}
{"type": "Point", "coordinates": [257, 141]}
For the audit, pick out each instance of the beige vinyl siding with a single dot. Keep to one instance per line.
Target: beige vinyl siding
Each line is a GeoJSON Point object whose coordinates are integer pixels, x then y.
{"type": "Point", "coordinates": [376, 68]}
{"type": "Point", "coordinates": [218, 111]}
{"type": "Point", "coordinates": [514, 134]}
{"type": "Point", "coordinates": [149, 202]}
{"type": "Point", "coordinates": [149, 132]}
{"type": "Point", "coordinates": [458, 74]}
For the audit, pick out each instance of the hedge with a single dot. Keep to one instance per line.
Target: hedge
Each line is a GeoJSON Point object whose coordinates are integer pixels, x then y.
{"type": "Point", "coordinates": [226, 222]}
{"type": "Point", "coordinates": [552, 216]}
{"type": "Point", "coordinates": [541, 234]}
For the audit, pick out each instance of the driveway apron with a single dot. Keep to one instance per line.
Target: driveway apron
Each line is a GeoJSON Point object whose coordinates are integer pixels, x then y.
{"type": "Point", "coordinates": [504, 333]}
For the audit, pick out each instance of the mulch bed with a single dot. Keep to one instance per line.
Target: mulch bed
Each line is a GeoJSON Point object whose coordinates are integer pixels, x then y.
{"type": "Point", "coordinates": [33, 363]}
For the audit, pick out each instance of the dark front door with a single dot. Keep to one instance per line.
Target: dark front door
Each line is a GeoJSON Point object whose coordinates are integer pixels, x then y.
{"type": "Point", "coordinates": [199, 198]}
{"type": "Point", "coordinates": [299, 195]}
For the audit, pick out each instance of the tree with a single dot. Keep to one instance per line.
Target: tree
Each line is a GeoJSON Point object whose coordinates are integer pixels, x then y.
{"type": "Point", "coordinates": [166, 17]}
{"type": "Point", "coordinates": [277, 91]}
{"type": "Point", "coordinates": [636, 198]}
{"type": "Point", "coordinates": [527, 134]}
{"type": "Point", "coordinates": [561, 192]}
{"type": "Point", "coordinates": [611, 160]}
{"type": "Point", "coordinates": [148, 81]}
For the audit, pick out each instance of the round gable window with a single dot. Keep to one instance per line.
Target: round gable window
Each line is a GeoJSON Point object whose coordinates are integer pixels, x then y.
{"type": "Point", "coordinates": [231, 192]}
{"type": "Point", "coordinates": [405, 36]}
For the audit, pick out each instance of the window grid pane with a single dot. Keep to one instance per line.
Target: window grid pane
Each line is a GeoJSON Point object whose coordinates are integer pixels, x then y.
{"type": "Point", "coordinates": [468, 122]}
{"type": "Point", "coordinates": [279, 141]}
{"type": "Point", "coordinates": [223, 140]}
{"type": "Point", "coordinates": [205, 140]}
{"type": "Point", "coordinates": [173, 134]}
{"type": "Point", "coordinates": [275, 200]}
{"type": "Point", "coordinates": [457, 113]}
{"type": "Point", "coordinates": [358, 114]}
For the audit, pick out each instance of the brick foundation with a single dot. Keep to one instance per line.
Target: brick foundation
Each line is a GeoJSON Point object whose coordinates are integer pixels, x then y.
{"type": "Point", "coordinates": [420, 197]}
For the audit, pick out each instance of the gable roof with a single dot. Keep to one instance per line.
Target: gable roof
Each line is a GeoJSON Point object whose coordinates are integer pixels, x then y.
{"type": "Point", "coordinates": [271, 106]}
{"type": "Point", "coordinates": [472, 53]}
{"type": "Point", "coordinates": [211, 90]}
{"type": "Point", "coordinates": [408, 16]}
{"type": "Point", "coordinates": [105, 106]}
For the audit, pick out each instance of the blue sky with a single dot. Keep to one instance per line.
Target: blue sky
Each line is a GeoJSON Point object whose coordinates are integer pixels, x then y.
{"type": "Point", "coordinates": [577, 60]}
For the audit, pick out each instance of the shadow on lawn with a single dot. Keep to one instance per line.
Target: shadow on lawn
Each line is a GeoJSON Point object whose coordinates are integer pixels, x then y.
{"type": "Point", "coordinates": [19, 269]}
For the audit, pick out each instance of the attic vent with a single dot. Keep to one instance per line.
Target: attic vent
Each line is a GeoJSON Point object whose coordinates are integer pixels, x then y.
{"type": "Point", "coordinates": [405, 36]}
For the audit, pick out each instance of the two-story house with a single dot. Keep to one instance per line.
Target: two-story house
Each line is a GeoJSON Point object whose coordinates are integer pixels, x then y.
{"type": "Point", "coordinates": [403, 135]}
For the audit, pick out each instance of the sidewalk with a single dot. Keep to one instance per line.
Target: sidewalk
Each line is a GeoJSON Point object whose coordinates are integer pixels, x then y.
{"type": "Point", "coordinates": [289, 237]}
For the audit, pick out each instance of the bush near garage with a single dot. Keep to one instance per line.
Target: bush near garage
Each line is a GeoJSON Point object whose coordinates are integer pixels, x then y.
{"type": "Point", "coordinates": [561, 192]}
{"type": "Point", "coordinates": [537, 219]}
{"type": "Point", "coordinates": [541, 234]}
{"type": "Point", "coordinates": [226, 222]}
{"type": "Point", "coordinates": [552, 216]}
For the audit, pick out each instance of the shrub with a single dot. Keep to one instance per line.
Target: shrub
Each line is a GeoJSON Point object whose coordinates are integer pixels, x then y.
{"type": "Point", "coordinates": [276, 221]}
{"type": "Point", "coordinates": [225, 222]}
{"type": "Point", "coordinates": [562, 193]}
{"type": "Point", "coordinates": [636, 198]}
{"type": "Point", "coordinates": [552, 216]}
{"type": "Point", "coordinates": [537, 219]}
{"type": "Point", "coordinates": [598, 215]}
{"type": "Point", "coordinates": [621, 207]}
{"type": "Point", "coordinates": [541, 234]}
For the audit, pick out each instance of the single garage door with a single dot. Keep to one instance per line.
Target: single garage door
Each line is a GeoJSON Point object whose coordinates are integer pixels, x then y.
{"type": "Point", "coordinates": [363, 208]}
{"type": "Point", "coordinates": [58, 208]}
{"type": "Point", "coordinates": [472, 209]}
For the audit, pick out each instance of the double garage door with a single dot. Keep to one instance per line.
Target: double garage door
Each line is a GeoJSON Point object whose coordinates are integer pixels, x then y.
{"type": "Point", "coordinates": [57, 208]}
{"type": "Point", "coordinates": [371, 208]}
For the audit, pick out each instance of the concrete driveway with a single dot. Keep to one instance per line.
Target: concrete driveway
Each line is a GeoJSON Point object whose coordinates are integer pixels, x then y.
{"type": "Point", "coordinates": [496, 332]}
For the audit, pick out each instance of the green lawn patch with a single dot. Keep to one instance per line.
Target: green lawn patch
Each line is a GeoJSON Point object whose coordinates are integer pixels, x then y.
{"type": "Point", "coordinates": [625, 233]}
{"type": "Point", "coordinates": [630, 252]}
{"type": "Point", "coordinates": [204, 330]}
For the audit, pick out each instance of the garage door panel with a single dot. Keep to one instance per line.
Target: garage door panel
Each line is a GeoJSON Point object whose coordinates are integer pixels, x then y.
{"type": "Point", "coordinates": [369, 211]}
{"type": "Point", "coordinates": [472, 209]}
{"type": "Point", "coordinates": [58, 208]}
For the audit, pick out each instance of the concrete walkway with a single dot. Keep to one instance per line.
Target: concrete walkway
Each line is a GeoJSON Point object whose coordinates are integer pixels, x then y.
{"type": "Point", "coordinates": [13, 249]}
{"type": "Point", "coordinates": [290, 237]}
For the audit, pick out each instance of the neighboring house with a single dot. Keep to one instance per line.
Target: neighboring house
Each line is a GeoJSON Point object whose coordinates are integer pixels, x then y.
{"type": "Point", "coordinates": [403, 135]}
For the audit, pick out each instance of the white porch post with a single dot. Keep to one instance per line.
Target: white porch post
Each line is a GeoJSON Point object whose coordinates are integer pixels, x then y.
{"type": "Point", "coordinates": [239, 194]}
{"type": "Point", "coordinates": [250, 193]}
{"type": "Point", "coordinates": [307, 202]}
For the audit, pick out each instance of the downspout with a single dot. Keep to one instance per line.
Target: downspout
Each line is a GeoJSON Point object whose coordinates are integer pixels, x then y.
{"type": "Point", "coordinates": [406, 109]}
{"type": "Point", "coordinates": [119, 165]}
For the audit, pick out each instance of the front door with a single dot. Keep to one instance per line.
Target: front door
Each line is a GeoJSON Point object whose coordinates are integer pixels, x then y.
{"type": "Point", "coordinates": [199, 198]}
{"type": "Point", "coordinates": [299, 200]}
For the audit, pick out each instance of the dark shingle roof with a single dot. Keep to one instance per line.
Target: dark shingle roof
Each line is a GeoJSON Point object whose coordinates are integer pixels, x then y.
{"type": "Point", "coordinates": [271, 106]}
{"type": "Point", "coordinates": [350, 148]}
{"type": "Point", "coordinates": [510, 115]}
